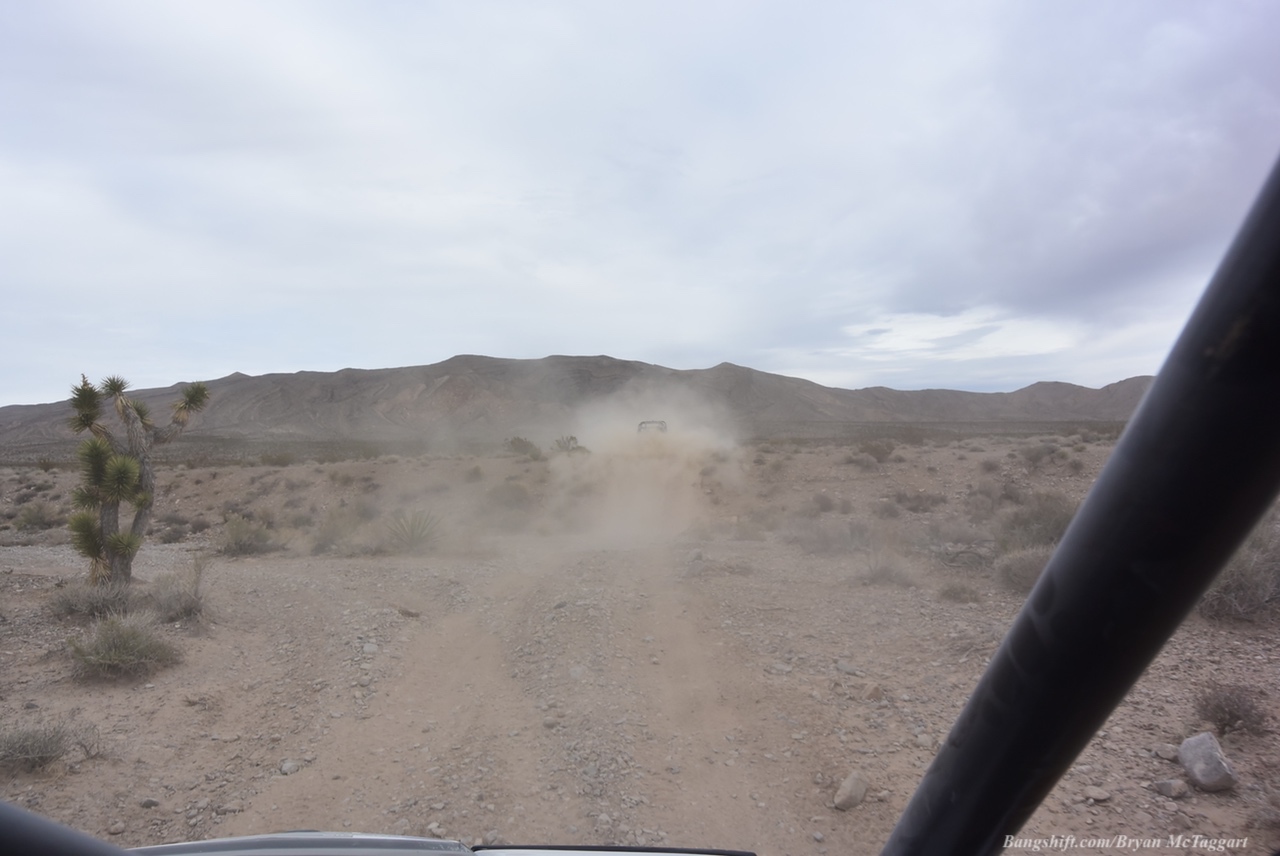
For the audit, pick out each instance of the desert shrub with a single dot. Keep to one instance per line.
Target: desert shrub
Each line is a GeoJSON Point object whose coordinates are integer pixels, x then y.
{"type": "Point", "coordinates": [1250, 583]}
{"type": "Point", "coordinates": [1020, 569]}
{"type": "Point", "coordinates": [880, 449]}
{"type": "Point", "coordinates": [885, 509]}
{"type": "Point", "coordinates": [93, 601]}
{"type": "Point", "coordinates": [989, 465]}
{"type": "Point", "coordinates": [30, 748]}
{"type": "Point", "coordinates": [172, 534]}
{"type": "Point", "coordinates": [1040, 521]}
{"type": "Point", "coordinates": [47, 464]}
{"type": "Point", "coordinates": [122, 645]}
{"type": "Point", "coordinates": [1076, 466]}
{"type": "Point", "coordinates": [920, 501]}
{"type": "Point", "coordinates": [412, 532]}
{"type": "Point", "coordinates": [39, 515]}
{"type": "Point", "coordinates": [510, 496]}
{"type": "Point", "coordinates": [521, 446]}
{"type": "Point", "coordinates": [823, 502]}
{"type": "Point", "coordinates": [177, 596]}
{"type": "Point", "coordinates": [278, 459]}
{"type": "Point", "coordinates": [172, 518]}
{"type": "Point", "coordinates": [199, 525]}
{"type": "Point", "coordinates": [244, 537]}
{"type": "Point", "coordinates": [959, 593]}
{"type": "Point", "coordinates": [474, 474]}
{"type": "Point", "coordinates": [825, 537]}
{"type": "Point", "coordinates": [1232, 707]}
{"type": "Point", "coordinates": [884, 567]}
{"type": "Point", "coordinates": [1038, 454]}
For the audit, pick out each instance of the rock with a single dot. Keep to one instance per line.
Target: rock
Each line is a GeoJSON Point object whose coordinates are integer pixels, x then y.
{"type": "Point", "coordinates": [1167, 751]}
{"type": "Point", "coordinates": [924, 741]}
{"type": "Point", "coordinates": [1171, 788]}
{"type": "Point", "coordinates": [818, 836]}
{"type": "Point", "coordinates": [1096, 794]}
{"type": "Point", "coordinates": [1208, 768]}
{"type": "Point", "coordinates": [230, 807]}
{"type": "Point", "coordinates": [852, 791]}
{"type": "Point", "coordinates": [873, 693]}
{"type": "Point", "coordinates": [289, 766]}
{"type": "Point", "coordinates": [149, 803]}
{"type": "Point", "coordinates": [116, 828]}
{"type": "Point", "coordinates": [370, 648]}
{"type": "Point", "coordinates": [550, 722]}
{"type": "Point", "coordinates": [844, 667]}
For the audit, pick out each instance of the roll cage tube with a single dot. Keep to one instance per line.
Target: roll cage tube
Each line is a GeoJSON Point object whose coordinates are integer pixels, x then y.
{"type": "Point", "coordinates": [1195, 469]}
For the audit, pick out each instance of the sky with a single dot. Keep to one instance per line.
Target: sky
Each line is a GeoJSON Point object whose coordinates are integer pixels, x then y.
{"type": "Point", "coordinates": [974, 195]}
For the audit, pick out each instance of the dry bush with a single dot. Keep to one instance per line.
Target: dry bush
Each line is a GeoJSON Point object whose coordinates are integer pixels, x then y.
{"type": "Point", "coordinates": [1020, 569]}
{"type": "Point", "coordinates": [879, 449]}
{"type": "Point", "coordinates": [1040, 521]}
{"type": "Point", "coordinates": [177, 596]}
{"type": "Point", "coordinates": [1250, 583]}
{"type": "Point", "coordinates": [825, 537]}
{"type": "Point", "coordinates": [509, 496]}
{"type": "Point", "coordinates": [1232, 707]}
{"type": "Point", "coordinates": [989, 465]}
{"type": "Point", "coordinates": [474, 474]}
{"type": "Point", "coordinates": [119, 646]}
{"type": "Point", "coordinates": [1038, 454]}
{"type": "Point", "coordinates": [40, 745]}
{"type": "Point", "coordinates": [244, 537]}
{"type": "Point", "coordinates": [40, 515]}
{"type": "Point", "coordinates": [862, 461]}
{"type": "Point", "coordinates": [93, 601]}
{"type": "Point", "coordinates": [523, 447]}
{"type": "Point", "coordinates": [959, 593]}
{"type": "Point", "coordinates": [823, 502]}
{"type": "Point", "coordinates": [886, 509]}
{"type": "Point", "coordinates": [885, 567]}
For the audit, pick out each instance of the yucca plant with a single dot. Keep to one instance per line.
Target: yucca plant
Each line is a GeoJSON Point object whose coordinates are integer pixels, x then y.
{"type": "Point", "coordinates": [116, 469]}
{"type": "Point", "coordinates": [410, 533]}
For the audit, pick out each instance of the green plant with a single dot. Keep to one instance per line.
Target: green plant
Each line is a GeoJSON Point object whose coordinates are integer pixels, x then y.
{"type": "Point", "coordinates": [33, 747]}
{"type": "Point", "coordinates": [122, 645]}
{"type": "Point", "coordinates": [116, 469]}
{"type": "Point", "coordinates": [1020, 569]}
{"type": "Point", "coordinates": [243, 537]}
{"type": "Point", "coordinates": [412, 532]}
{"type": "Point", "coordinates": [1232, 707]}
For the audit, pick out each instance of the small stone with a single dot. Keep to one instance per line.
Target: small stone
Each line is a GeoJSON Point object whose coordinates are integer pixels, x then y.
{"type": "Point", "coordinates": [845, 667]}
{"type": "Point", "coordinates": [1171, 788]}
{"type": "Point", "coordinates": [364, 680]}
{"type": "Point", "coordinates": [289, 766]}
{"type": "Point", "coordinates": [818, 836]}
{"type": "Point", "coordinates": [116, 828]}
{"type": "Point", "coordinates": [1096, 794]}
{"type": "Point", "coordinates": [149, 803]}
{"type": "Point", "coordinates": [924, 741]}
{"type": "Point", "coordinates": [231, 807]}
{"type": "Point", "coordinates": [370, 648]}
{"type": "Point", "coordinates": [1208, 768]}
{"type": "Point", "coordinates": [873, 693]}
{"type": "Point", "coordinates": [852, 791]}
{"type": "Point", "coordinates": [1167, 751]}
{"type": "Point", "coordinates": [550, 722]}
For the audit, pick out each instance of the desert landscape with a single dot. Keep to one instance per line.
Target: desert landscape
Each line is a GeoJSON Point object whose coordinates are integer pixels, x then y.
{"type": "Point", "coordinates": [689, 637]}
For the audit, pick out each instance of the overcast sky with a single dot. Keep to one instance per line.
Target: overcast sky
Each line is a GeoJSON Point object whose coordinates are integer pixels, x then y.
{"type": "Point", "coordinates": [970, 195]}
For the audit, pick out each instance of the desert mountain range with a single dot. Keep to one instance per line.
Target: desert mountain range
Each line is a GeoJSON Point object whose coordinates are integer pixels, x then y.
{"type": "Point", "coordinates": [477, 398]}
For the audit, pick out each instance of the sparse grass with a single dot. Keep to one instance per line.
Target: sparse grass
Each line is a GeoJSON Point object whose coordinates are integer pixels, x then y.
{"type": "Point", "coordinates": [37, 746]}
{"type": "Point", "coordinates": [1232, 707]}
{"type": "Point", "coordinates": [244, 537]}
{"type": "Point", "coordinates": [1020, 569]}
{"type": "Point", "coordinates": [412, 532]}
{"type": "Point", "coordinates": [92, 601]}
{"type": "Point", "coordinates": [122, 646]}
{"type": "Point", "coordinates": [1250, 583]}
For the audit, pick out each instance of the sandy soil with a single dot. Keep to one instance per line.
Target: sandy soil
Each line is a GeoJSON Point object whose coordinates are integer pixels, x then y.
{"type": "Point", "coordinates": [671, 646]}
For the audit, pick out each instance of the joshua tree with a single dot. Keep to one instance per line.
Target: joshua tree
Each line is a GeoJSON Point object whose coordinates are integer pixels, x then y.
{"type": "Point", "coordinates": [117, 469]}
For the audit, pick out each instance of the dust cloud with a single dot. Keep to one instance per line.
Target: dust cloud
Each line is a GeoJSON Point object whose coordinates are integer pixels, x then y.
{"type": "Point", "coordinates": [629, 487]}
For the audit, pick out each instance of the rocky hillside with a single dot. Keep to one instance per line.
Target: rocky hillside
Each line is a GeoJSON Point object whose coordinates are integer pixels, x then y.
{"type": "Point", "coordinates": [479, 398]}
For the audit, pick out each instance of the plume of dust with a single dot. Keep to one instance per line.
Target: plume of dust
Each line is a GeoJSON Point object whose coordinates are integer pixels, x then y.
{"type": "Point", "coordinates": [633, 488]}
